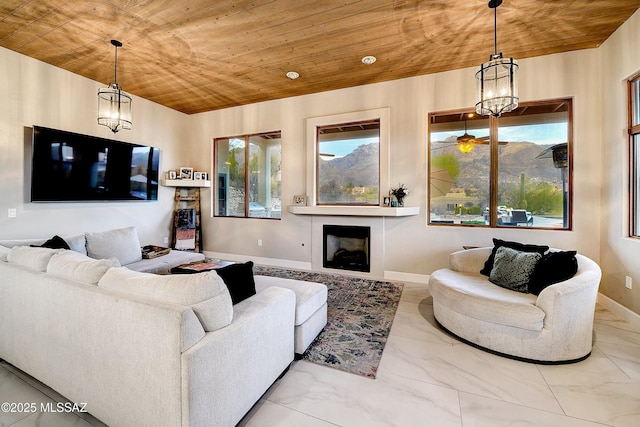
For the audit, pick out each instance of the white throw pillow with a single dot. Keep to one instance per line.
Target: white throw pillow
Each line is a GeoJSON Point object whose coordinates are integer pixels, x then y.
{"type": "Point", "coordinates": [3, 253]}
{"type": "Point", "coordinates": [205, 293]}
{"type": "Point", "coordinates": [80, 268]}
{"type": "Point", "coordinates": [77, 243]}
{"type": "Point", "coordinates": [121, 243]}
{"type": "Point", "coordinates": [31, 258]}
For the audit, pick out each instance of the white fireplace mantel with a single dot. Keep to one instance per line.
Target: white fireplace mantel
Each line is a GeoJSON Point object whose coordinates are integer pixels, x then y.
{"type": "Point", "coordinates": [379, 211]}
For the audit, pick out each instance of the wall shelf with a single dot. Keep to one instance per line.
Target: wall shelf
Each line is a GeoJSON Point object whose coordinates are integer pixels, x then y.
{"type": "Point", "coordinates": [380, 211]}
{"type": "Point", "coordinates": [186, 183]}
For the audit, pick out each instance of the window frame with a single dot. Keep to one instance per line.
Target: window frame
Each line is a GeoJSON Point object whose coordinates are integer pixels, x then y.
{"type": "Point", "coordinates": [381, 114]}
{"type": "Point", "coordinates": [494, 170]}
{"type": "Point", "coordinates": [247, 159]}
{"type": "Point", "coordinates": [634, 158]}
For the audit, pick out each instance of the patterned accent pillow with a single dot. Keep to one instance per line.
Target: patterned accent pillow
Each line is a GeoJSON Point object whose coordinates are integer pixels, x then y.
{"type": "Point", "coordinates": [512, 269]}
{"type": "Point", "coordinates": [522, 247]}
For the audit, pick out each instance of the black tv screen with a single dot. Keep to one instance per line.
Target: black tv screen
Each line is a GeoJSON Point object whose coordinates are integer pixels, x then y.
{"type": "Point", "coordinates": [69, 167]}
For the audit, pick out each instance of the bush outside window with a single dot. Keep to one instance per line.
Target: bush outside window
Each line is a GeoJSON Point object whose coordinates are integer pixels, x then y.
{"type": "Point", "coordinates": [248, 176]}
{"type": "Point", "coordinates": [514, 171]}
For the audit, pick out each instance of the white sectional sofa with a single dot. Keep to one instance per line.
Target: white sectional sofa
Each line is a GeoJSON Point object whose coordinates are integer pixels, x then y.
{"type": "Point", "coordinates": [120, 243]}
{"type": "Point", "coordinates": [555, 326]}
{"type": "Point", "coordinates": [141, 349]}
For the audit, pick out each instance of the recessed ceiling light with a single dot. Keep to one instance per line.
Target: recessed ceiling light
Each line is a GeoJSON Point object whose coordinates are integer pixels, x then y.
{"type": "Point", "coordinates": [293, 75]}
{"type": "Point", "coordinates": [368, 60]}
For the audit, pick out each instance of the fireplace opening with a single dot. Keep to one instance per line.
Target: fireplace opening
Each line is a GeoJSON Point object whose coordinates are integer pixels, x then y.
{"type": "Point", "coordinates": [346, 247]}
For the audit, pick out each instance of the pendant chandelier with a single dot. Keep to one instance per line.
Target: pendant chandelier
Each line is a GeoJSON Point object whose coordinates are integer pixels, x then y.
{"type": "Point", "coordinates": [496, 81]}
{"type": "Point", "coordinates": [114, 105]}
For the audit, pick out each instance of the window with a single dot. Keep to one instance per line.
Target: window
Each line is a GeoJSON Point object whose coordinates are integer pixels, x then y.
{"type": "Point", "coordinates": [247, 175]}
{"type": "Point", "coordinates": [514, 171]}
{"type": "Point", "coordinates": [348, 163]}
{"type": "Point", "coordinates": [634, 139]}
{"type": "Point", "coordinates": [348, 159]}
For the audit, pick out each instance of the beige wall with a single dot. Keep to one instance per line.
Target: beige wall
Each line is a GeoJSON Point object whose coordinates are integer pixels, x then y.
{"type": "Point", "coordinates": [410, 245]}
{"type": "Point", "coordinates": [35, 93]}
{"type": "Point", "coordinates": [619, 255]}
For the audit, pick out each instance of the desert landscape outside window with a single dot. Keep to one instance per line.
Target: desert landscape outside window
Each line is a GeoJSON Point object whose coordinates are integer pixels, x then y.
{"type": "Point", "coordinates": [514, 171]}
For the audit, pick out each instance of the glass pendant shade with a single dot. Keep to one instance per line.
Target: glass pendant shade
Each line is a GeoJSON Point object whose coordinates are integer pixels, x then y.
{"type": "Point", "coordinates": [497, 86]}
{"type": "Point", "coordinates": [114, 104]}
{"type": "Point", "coordinates": [114, 108]}
{"type": "Point", "coordinates": [465, 147]}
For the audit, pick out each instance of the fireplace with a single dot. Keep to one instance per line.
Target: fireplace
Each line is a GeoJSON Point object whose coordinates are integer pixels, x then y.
{"type": "Point", "coordinates": [346, 247]}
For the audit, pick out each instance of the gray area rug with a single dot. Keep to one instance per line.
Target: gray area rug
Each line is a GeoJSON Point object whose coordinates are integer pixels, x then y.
{"type": "Point", "coordinates": [359, 317]}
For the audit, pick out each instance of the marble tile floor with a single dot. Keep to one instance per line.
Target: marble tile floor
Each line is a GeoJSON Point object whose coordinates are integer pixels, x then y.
{"type": "Point", "coordinates": [426, 378]}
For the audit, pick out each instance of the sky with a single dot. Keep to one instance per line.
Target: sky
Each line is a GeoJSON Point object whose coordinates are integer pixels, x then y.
{"type": "Point", "coordinates": [343, 147]}
{"type": "Point", "coordinates": [545, 134]}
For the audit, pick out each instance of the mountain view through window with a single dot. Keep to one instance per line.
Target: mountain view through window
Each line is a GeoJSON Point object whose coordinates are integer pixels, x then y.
{"type": "Point", "coordinates": [348, 163]}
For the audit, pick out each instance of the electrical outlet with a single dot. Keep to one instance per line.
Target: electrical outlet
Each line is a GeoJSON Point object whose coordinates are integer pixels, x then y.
{"type": "Point", "coordinates": [628, 282]}
{"type": "Point", "coordinates": [12, 213]}
{"type": "Point", "coordinates": [166, 240]}
{"type": "Point", "coordinates": [259, 242]}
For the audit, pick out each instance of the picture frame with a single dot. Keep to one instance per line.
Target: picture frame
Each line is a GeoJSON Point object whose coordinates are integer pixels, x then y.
{"type": "Point", "coordinates": [300, 200]}
{"type": "Point", "coordinates": [186, 173]}
{"type": "Point", "coordinates": [204, 175]}
{"type": "Point", "coordinates": [172, 174]}
{"type": "Point", "coordinates": [197, 176]}
{"type": "Point", "coordinates": [387, 201]}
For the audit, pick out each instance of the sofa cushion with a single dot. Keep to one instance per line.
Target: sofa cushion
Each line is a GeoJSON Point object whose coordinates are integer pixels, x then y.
{"type": "Point", "coordinates": [80, 268]}
{"type": "Point", "coordinates": [310, 296]}
{"type": "Point", "coordinates": [32, 258]}
{"type": "Point", "coordinates": [522, 247]}
{"type": "Point", "coordinates": [205, 292]}
{"type": "Point", "coordinates": [473, 296]}
{"type": "Point", "coordinates": [554, 267]}
{"type": "Point", "coordinates": [163, 264]}
{"type": "Point", "coordinates": [239, 280]}
{"type": "Point", "coordinates": [120, 243]}
{"type": "Point", "coordinates": [512, 269]}
{"type": "Point", "coordinates": [76, 242]}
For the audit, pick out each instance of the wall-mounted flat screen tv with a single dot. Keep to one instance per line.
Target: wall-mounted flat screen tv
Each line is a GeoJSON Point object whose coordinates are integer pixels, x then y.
{"type": "Point", "coordinates": [69, 167]}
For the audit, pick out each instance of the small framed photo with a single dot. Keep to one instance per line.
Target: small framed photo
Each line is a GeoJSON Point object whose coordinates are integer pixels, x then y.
{"type": "Point", "coordinates": [197, 176]}
{"type": "Point", "coordinates": [172, 174]}
{"type": "Point", "coordinates": [300, 199]}
{"type": "Point", "coordinates": [387, 201]}
{"type": "Point", "coordinates": [186, 173]}
{"type": "Point", "coordinates": [204, 175]}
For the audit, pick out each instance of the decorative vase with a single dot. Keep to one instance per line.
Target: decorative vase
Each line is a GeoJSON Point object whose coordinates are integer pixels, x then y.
{"type": "Point", "coordinates": [400, 201]}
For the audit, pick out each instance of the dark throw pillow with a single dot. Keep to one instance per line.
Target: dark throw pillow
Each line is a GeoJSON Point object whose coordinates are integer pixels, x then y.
{"type": "Point", "coordinates": [512, 269]}
{"type": "Point", "coordinates": [522, 247]}
{"type": "Point", "coordinates": [239, 280]}
{"type": "Point", "coordinates": [56, 242]}
{"type": "Point", "coordinates": [554, 267]}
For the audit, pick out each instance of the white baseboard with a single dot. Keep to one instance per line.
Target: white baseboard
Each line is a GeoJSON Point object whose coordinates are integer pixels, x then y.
{"type": "Point", "coordinates": [406, 277]}
{"type": "Point", "coordinates": [300, 265]}
{"type": "Point", "coordinates": [274, 262]}
{"type": "Point", "coordinates": [619, 309]}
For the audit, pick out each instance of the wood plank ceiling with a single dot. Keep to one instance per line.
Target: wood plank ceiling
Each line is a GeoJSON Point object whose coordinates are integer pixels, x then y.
{"type": "Point", "coordinates": [202, 55]}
